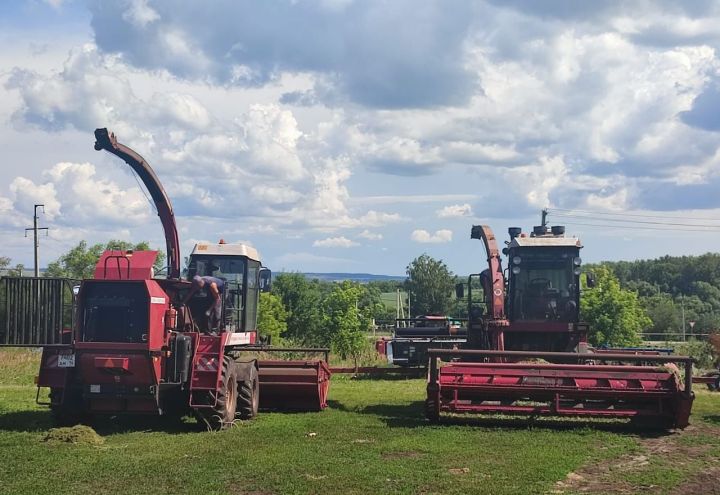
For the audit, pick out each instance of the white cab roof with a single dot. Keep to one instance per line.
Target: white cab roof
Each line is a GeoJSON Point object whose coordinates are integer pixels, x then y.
{"type": "Point", "coordinates": [226, 250]}
{"type": "Point", "coordinates": [547, 241]}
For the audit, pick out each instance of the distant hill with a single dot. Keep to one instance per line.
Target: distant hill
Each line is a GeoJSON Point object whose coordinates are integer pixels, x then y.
{"type": "Point", "coordinates": [355, 277]}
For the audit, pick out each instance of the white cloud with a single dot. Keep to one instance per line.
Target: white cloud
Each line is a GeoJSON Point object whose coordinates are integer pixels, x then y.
{"type": "Point", "coordinates": [371, 236]}
{"type": "Point", "coordinates": [425, 237]}
{"type": "Point", "coordinates": [616, 201]}
{"type": "Point", "coordinates": [412, 198]}
{"type": "Point", "coordinates": [450, 211]}
{"type": "Point", "coordinates": [56, 4]}
{"type": "Point", "coordinates": [335, 242]}
{"type": "Point", "coordinates": [140, 13]}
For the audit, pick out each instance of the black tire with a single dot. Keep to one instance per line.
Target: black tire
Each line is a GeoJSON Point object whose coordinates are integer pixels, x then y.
{"type": "Point", "coordinates": [248, 399]}
{"type": "Point", "coordinates": [222, 413]}
{"type": "Point", "coordinates": [432, 409]}
{"type": "Point", "coordinates": [70, 411]}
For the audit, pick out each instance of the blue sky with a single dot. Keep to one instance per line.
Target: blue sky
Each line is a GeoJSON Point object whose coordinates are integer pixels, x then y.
{"type": "Point", "coordinates": [341, 135]}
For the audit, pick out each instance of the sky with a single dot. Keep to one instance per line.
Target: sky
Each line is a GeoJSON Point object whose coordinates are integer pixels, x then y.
{"type": "Point", "coordinates": [354, 136]}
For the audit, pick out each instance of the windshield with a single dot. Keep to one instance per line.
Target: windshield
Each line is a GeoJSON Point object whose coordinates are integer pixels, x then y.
{"type": "Point", "coordinates": [543, 285]}
{"type": "Point", "coordinates": [231, 269]}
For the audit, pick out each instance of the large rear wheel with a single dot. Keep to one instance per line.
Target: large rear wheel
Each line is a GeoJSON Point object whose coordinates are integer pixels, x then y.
{"type": "Point", "coordinates": [66, 407]}
{"type": "Point", "coordinates": [248, 393]}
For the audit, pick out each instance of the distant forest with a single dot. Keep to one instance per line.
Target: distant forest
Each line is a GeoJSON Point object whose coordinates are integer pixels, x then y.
{"type": "Point", "coordinates": [671, 285]}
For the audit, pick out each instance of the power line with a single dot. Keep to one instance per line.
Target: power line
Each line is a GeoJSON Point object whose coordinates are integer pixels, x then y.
{"type": "Point", "coordinates": [639, 227]}
{"type": "Point", "coordinates": [638, 215]}
{"type": "Point", "coordinates": [568, 215]}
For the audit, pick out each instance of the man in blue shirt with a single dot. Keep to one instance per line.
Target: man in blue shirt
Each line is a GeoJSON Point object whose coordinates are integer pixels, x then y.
{"type": "Point", "coordinates": [216, 287]}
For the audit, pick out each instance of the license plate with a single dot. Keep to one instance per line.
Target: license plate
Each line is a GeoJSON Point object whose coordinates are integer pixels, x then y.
{"type": "Point", "coordinates": [66, 360]}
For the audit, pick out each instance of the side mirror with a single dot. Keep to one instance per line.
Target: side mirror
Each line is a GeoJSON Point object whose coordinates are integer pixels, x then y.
{"type": "Point", "coordinates": [459, 291]}
{"type": "Point", "coordinates": [265, 280]}
{"type": "Point", "coordinates": [590, 280]}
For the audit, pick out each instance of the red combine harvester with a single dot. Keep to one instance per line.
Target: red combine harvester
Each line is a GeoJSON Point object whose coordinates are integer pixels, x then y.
{"type": "Point", "coordinates": [527, 351]}
{"type": "Point", "coordinates": [127, 342]}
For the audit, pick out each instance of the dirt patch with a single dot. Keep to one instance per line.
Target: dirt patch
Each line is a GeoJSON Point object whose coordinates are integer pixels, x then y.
{"type": "Point", "coordinates": [706, 482]}
{"type": "Point", "coordinates": [76, 435]}
{"type": "Point", "coordinates": [602, 477]}
{"type": "Point", "coordinates": [403, 454]}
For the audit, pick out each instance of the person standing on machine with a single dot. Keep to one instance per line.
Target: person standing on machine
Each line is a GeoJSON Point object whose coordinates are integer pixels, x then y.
{"type": "Point", "coordinates": [216, 289]}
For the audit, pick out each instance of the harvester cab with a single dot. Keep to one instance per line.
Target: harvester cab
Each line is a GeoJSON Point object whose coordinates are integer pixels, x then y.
{"type": "Point", "coordinates": [239, 268]}
{"type": "Point", "coordinates": [543, 291]}
{"type": "Point", "coordinates": [530, 312]}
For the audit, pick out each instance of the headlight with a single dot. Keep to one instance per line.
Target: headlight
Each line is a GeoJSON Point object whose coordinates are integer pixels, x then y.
{"type": "Point", "coordinates": [577, 271]}
{"type": "Point", "coordinates": [516, 260]}
{"type": "Point", "coordinates": [577, 261]}
{"type": "Point", "coordinates": [516, 270]}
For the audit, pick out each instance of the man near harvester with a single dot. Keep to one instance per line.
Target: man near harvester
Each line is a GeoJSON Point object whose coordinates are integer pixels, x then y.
{"type": "Point", "coordinates": [215, 287]}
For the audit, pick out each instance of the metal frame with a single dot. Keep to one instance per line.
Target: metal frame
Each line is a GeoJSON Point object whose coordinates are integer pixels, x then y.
{"type": "Point", "coordinates": [497, 383]}
{"type": "Point", "coordinates": [36, 314]}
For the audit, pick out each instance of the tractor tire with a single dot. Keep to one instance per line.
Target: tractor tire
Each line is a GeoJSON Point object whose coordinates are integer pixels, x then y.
{"type": "Point", "coordinates": [248, 394]}
{"type": "Point", "coordinates": [70, 413]}
{"type": "Point", "coordinates": [222, 413]}
{"type": "Point", "coordinates": [432, 410]}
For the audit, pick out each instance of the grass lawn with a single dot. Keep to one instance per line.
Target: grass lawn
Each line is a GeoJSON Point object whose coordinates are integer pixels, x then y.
{"type": "Point", "coordinates": [372, 439]}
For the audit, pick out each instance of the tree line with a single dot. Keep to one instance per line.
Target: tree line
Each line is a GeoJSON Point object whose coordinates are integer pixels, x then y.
{"type": "Point", "coordinates": [629, 298]}
{"type": "Point", "coordinates": [671, 289]}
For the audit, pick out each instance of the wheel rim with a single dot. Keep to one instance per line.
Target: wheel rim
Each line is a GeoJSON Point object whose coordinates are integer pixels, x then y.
{"type": "Point", "coordinates": [230, 402]}
{"type": "Point", "coordinates": [256, 395]}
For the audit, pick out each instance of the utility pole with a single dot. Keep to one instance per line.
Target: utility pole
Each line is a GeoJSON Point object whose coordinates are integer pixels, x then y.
{"type": "Point", "coordinates": [682, 305]}
{"type": "Point", "coordinates": [35, 229]}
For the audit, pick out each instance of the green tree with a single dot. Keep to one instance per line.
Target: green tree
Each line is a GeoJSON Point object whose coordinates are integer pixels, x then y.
{"type": "Point", "coordinates": [80, 261]}
{"type": "Point", "coordinates": [372, 305]}
{"type": "Point", "coordinates": [272, 317]}
{"type": "Point", "coordinates": [344, 322]}
{"type": "Point", "coordinates": [665, 316]}
{"type": "Point", "coordinates": [4, 262]}
{"type": "Point", "coordinates": [430, 284]}
{"type": "Point", "coordinates": [614, 314]}
{"type": "Point", "coordinates": [17, 271]}
{"type": "Point", "coordinates": [301, 299]}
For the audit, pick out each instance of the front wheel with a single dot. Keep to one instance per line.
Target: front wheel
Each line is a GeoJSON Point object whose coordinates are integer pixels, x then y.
{"type": "Point", "coordinates": [221, 413]}
{"type": "Point", "coordinates": [432, 408]}
{"type": "Point", "coordinates": [248, 393]}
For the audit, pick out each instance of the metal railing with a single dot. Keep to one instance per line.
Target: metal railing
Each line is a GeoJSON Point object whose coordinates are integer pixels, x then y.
{"type": "Point", "coordinates": [36, 312]}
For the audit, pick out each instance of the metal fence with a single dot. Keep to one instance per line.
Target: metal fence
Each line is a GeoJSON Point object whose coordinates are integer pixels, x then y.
{"type": "Point", "coordinates": [36, 312]}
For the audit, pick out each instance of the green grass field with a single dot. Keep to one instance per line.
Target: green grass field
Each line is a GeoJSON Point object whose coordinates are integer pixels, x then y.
{"type": "Point", "coordinates": [372, 439]}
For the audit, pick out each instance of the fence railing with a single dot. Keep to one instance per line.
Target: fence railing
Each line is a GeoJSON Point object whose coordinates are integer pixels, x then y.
{"type": "Point", "coordinates": [36, 312]}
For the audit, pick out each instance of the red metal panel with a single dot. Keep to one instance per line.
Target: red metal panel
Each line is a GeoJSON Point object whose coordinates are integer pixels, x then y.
{"type": "Point", "coordinates": [116, 368]}
{"type": "Point", "coordinates": [50, 374]}
{"type": "Point", "coordinates": [159, 303]}
{"type": "Point", "coordinates": [294, 385]}
{"type": "Point", "coordinates": [113, 363]}
{"type": "Point", "coordinates": [124, 265]}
